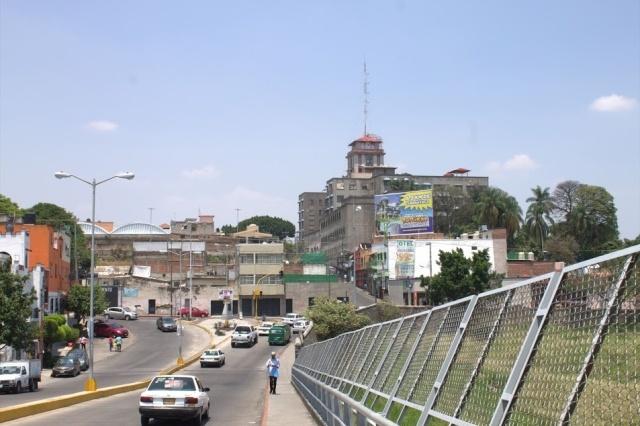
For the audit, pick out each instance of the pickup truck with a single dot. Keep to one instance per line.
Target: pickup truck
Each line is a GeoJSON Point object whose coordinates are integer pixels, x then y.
{"type": "Point", "coordinates": [16, 376]}
{"type": "Point", "coordinates": [244, 335]}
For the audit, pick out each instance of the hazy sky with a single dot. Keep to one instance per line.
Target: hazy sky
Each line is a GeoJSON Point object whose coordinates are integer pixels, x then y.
{"type": "Point", "coordinates": [217, 106]}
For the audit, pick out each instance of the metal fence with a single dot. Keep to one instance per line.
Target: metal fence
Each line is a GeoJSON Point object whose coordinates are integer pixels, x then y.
{"type": "Point", "coordinates": [560, 348]}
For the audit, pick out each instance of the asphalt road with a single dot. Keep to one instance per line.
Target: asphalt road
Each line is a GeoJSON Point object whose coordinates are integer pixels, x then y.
{"type": "Point", "coordinates": [145, 353]}
{"type": "Point", "coordinates": [237, 395]}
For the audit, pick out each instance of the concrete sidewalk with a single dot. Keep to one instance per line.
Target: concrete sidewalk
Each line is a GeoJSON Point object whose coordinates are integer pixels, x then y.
{"type": "Point", "coordinates": [286, 408]}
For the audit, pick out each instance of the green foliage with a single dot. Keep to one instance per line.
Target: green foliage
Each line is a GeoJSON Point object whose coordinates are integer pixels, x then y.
{"type": "Point", "coordinates": [460, 277]}
{"type": "Point", "coordinates": [562, 248]}
{"type": "Point", "coordinates": [497, 209]}
{"type": "Point", "coordinates": [78, 300]}
{"type": "Point", "coordinates": [53, 331]}
{"type": "Point", "coordinates": [332, 318]}
{"type": "Point", "coordinates": [15, 309]}
{"type": "Point", "coordinates": [454, 211]}
{"type": "Point", "coordinates": [539, 219]}
{"type": "Point", "coordinates": [57, 318]}
{"type": "Point", "coordinates": [69, 332]}
{"type": "Point", "coordinates": [8, 207]}
{"type": "Point", "coordinates": [387, 312]}
{"type": "Point", "coordinates": [276, 226]}
{"type": "Point", "coordinates": [228, 229]}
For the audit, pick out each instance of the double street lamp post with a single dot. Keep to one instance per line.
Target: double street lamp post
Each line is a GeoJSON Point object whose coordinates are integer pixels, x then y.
{"type": "Point", "coordinates": [90, 384]}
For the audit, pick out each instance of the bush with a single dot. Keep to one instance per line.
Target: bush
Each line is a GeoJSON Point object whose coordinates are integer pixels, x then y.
{"type": "Point", "coordinates": [332, 318]}
{"type": "Point", "coordinates": [53, 332]}
{"type": "Point", "coordinates": [70, 334]}
{"type": "Point", "coordinates": [387, 312]}
{"type": "Point", "coordinates": [58, 318]}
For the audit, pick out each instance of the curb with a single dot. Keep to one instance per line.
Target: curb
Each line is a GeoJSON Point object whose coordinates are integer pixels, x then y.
{"type": "Point", "coordinates": [31, 408]}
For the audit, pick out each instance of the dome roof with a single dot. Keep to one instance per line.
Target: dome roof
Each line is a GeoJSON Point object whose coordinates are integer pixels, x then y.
{"type": "Point", "coordinates": [86, 228]}
{"type": "Point", "coordinates": [139, 229]}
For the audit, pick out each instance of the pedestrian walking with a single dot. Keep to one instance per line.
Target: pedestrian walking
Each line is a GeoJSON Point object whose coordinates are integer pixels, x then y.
{"type": "Point", "coordinates": [83, 343]}
{"type": "Point", "coordinates": [119, 344]}
{"type": "Point", "coordinates": [110, 343]}
{"type": "Point", "coordinates": [273, 370]}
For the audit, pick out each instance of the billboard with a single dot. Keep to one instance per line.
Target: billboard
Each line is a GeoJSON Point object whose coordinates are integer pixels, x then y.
{"type": "Point", "coordinates": [404, 213]}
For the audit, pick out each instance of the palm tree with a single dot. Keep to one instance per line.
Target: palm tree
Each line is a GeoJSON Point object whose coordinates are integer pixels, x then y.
{"type": "Point", "coordinates": [496, 208]}
{"type": "Point", "coordinates": [510, 215]}
{"type": "Point", "coordinates": [539, 219]}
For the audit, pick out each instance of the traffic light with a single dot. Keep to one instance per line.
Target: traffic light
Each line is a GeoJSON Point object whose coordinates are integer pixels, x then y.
{"type": "Point", "coordinates": [281, 273]}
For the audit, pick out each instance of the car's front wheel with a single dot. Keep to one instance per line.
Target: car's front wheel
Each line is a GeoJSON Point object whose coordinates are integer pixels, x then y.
{"type": "Point", "coordinates": [144, 420]}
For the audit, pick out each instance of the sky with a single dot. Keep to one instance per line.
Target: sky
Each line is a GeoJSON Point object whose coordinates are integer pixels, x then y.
{"type": "Point", "coordinates": [218, 106]}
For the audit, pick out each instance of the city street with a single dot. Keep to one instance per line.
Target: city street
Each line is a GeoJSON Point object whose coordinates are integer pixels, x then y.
{"type": "Point", "coordinates": [144, 353]}
{"type": "Point", "coordinates": [237, 395]}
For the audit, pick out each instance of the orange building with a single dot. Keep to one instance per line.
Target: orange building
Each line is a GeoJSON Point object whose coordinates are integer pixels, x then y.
{"type": "Point", "coordinates": [52, 250]}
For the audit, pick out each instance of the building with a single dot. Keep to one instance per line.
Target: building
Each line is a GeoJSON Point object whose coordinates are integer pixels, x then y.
{"type": "Point", "coordinates": [51, 250]}
{"type": "Point", "coordinates": [310, 209]}
{"type": "Point", "coordinates": [201, 227]}
{"type": "Point", "coordinates": [348, 216]}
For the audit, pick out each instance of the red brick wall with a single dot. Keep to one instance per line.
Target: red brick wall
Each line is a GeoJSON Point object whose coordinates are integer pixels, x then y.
{"type": "Point", "coordinates": [526, 269]}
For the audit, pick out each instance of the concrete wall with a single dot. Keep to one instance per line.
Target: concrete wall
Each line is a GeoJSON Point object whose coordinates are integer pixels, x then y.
{"type": "Point", "coordinates": [301, 292]}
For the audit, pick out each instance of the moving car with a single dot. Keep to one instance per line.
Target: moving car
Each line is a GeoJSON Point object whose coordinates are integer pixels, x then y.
{"type": "Point", "coordinates": [212, 357]}
{"type": "Point", "coordinates": [300, 326]}
{"type": "Point", "coordinates": [263, 329]}
{"type": "Point", "coordinates": [244, 335]}
{"type": "Point", "coordinates": [117, 312]}
{"type": "Point", "coordinates": [18, 375]}
{"type": "Point", "coordinates": [291, 318]}
{"type": "Point", "coordinates": [280, 334]}
{"type": "Point", "coordinates": [195, 312]}
{"type": "Point", "coordinates": [107, 329]}
{"type": "Point", "coordinates": [66, 366]}
{"type": "Point", "coordinates": [82, 358]}
{"type": "Point", "coordinates": [174, 397]}
{"type": "Point", "coordinates": [166, 324]}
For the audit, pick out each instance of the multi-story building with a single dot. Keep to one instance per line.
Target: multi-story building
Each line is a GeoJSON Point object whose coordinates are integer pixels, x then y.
{"type": "Point", "coordinates": [348, 216]}
{"type": "Point", "coordinates": [51, 250]}
{"type": "Point", "coordinates": [310, 209]}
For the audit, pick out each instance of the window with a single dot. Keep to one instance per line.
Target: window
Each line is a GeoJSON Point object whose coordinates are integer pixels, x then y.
{"type": "Point", "coordinates": [246, 279]}
{"type": "Point", "coordinates": [364, 186]}
{"type": "Point", "coordinates": [352, 186]}
{"type": "Point", "coordinates": [246, 258]}
{"type": "Point", "coordinates": [268, 259]}
{"type": "Point", "coordinates": [340, 198]}
{"type": "Point", "coordinates": [312, 301]}
{"type": "Point", "coordinates": [340, 185]}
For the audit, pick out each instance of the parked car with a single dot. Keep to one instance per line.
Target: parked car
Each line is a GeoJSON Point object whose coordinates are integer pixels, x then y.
{"type": "Point", "coordinates": [107, 329]}
{"type": "Point", "coordinates": [244, 335]}
{"type": "Point", "coordinates": [212, 357]}
{"type": "Point", "coordinates": [263, 329]}
{"type": "Point", "coordinates": [166, 324]}
{"type": "Point", "coordinates": [280, 334]}
{"type": "Point", "coordinates": [82, 358]}
{"type": "Point", "coordinates": [16, 376]}
{"type": "Point", "coordinates": [116, 312]}
{"type": "Point", "coordinates": [291, 318]}
{"type": "Point", "coordinates": [300, 326]}
{"type": "Point", "coordinates": [174, 397]}
{"type": "Point", "coordinates": [195, 312]}
{"type": "Point", "coordinates": [66, 366]}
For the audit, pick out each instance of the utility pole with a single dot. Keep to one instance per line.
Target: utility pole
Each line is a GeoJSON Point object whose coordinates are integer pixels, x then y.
{"type": "Point", "coordinates": [151, 209]}
{"type": "Point", "coordinates": [237, 219]}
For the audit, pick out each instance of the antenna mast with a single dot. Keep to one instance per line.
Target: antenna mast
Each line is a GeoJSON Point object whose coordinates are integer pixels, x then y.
{"type": "Point", "coordinates": [366, 96]}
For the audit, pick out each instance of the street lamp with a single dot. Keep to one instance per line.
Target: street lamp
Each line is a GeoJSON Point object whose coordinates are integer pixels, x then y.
{"type": "Point", "coordinates": [90, 384]}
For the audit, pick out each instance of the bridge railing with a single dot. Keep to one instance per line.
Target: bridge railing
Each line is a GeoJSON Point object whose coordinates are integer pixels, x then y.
{"type": "Point", "coordinates": [563, 347]}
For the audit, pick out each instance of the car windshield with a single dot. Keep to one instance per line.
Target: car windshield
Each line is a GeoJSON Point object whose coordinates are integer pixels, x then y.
{"type": "Point", "coordinates": [128, 309]}
{"type": "Point", "coordinates": [114, 325]}
{"type": "Point", "coordinates": [211, 352]}
{"type": "Point", "coordinates": [64, 362]}
{"type": "Point", "coordinates": [76, 353]}
{"type": "Point", "coordinates": [291, 316]}
{"type": "Point", "coordinates": [243, 330]}
{"type": "Point", "coordinates": [168, 320]}
{"type": "Point", "coordinates": [267, 324]}
{"type": "Point", "coordinates": [172, 383]}
{"type": "Point", "coordinates": [11, 369]}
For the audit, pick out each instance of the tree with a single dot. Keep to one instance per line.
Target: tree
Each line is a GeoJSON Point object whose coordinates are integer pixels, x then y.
{"type": "Point", "coordinates": [564, 198]}
{"type": "Point", "coordinates": [332, 318]}
{"type": "Point", "coordinates": [78, 300]}
{"type": "Point", "coordinates": [276, 226]}
{"type": "Point", "coordinates": [593, 221]}
{"type": "Point", "coordinates": [562, 248]}
{"type": "Point", "coordinates": [228, 229]}
{"type": "Point", "coordinates": [539, 218]}
{"type": "Point", "coordinates": [387, 312]}
{"type": "Point", "coordinates": [15, 310]}
{"type": "Point", "coordinates": [62, 220]}
{"type": "Point", "coordinates": [460, 277]}
{"type": "Point", "coordinates": [453, 209]}
{"type": "Point", "coordinates": [8, 207]}
{"type": "Point", "coordinates": [495, 208]}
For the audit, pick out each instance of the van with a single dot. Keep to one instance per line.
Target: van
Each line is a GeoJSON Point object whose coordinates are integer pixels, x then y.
{"type": "Point", "coordinates": [279, 334]}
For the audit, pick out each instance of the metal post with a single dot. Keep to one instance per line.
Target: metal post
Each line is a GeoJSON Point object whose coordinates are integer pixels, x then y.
{"type": "Point", "coordinates": [483, 354]}
{"type": "Point", "coordinates": [180, 360]}
{"type": "Point", "coordinates": [526, 350]}
{"type": "Point", "coordinates": [596, 345]}
{"type": "Point", "coordinates": [446, 363]}
{"type": "Point", "coordinates": [90, 384]}
{"type": "Point", "coordinates": [405, 367]}
{"type": "Point", "coordinates": [190, 272]}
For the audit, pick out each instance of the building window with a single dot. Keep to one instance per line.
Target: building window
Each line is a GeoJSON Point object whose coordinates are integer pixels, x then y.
{"type": "Point", "coordinates": [268, 259]}
{"type": "Point", "coordinates": [340, 185]}
{"type": "Point", "coordinates": [246, 279]}
{"type": "Point", "coordinates": [269, 279]}
{"type": "Point", "coordinates": [364, 186]}
{"type": "Point", "coordinates": [246, 258]}
{"type": "Point", "coordinates": [352, 186]}
{"type": "Point", "coordinates": [312, 301]}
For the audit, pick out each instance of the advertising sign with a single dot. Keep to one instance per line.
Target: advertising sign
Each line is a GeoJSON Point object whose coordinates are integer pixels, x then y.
{"type": "Point", "coordinates": [404, 213]}
{"type": "Point", "coordinates": [405, 259]}
{"type": "Point", "coordinates": [130, 292]}
{"type": "Point", "coordinates": [225, 294]}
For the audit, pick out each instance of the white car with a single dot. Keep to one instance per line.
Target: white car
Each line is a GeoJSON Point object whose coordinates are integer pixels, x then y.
{"type": "Point", "coordinates": [300, 326]}
{"type": "Point", "coordinates": [244, 335]}
{"type": "Point", "coordinates": [264, 328]}
{"type": "Point", "coordinates": [174, 397]}
{"type": "Point", "coordinates": [116, 312]}
{"type": "Point", "coordinates": [212, 357]}
{"type": "Point", "coordinates": [291, 318]}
